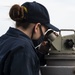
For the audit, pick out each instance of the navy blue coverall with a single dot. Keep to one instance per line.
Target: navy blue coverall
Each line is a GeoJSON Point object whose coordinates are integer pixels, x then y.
{"type": "Point", "coordinates": [17, 54]}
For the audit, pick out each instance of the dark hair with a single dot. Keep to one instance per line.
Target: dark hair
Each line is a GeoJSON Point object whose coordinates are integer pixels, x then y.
{"type": "Point", "coordinates": [17, 13]}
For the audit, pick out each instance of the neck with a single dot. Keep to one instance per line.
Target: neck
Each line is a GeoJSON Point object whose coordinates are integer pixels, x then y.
{"type": "Point", "coordinates": [27, 31]}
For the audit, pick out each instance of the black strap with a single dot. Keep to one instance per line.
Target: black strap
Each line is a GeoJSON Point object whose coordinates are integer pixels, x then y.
{"type": "Point", "coordinates": [41, 30]}
{"type": "Point", "coordinates": [32, 32]}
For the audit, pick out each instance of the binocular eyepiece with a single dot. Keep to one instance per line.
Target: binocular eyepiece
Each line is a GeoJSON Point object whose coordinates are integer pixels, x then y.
{"type": "Point", "coordinates": [50, 36]}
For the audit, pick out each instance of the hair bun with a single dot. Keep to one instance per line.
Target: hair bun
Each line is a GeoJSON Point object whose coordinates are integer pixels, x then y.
{"type": "Point", "coordinates": [16, 13]}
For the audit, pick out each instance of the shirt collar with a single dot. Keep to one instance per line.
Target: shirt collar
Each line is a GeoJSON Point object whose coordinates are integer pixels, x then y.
{"type": "Point", "coordinates": [16, 33]}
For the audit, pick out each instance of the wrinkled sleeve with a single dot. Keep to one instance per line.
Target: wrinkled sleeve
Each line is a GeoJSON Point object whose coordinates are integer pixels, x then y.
{"type": "Point", "coordinates": [41, 58]}
{"type": "Point", "coordinates": [40, 55]}
{"type": "Point", "coordinates": [18, 63]}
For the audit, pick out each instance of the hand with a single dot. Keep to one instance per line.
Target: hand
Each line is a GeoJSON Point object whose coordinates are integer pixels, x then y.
{"type": "Point", "coordinates": [44, 47]}
{"type": "Point", "coordinates": [56, 34]}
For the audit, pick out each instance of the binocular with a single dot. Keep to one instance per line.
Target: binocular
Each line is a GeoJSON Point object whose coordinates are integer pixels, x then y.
{"type": "Point", "coordinates": [61, 58]}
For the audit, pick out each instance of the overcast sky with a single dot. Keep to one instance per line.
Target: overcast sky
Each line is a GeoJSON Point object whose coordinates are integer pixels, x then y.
{"type": "Point", "coordinates": [62, 13]}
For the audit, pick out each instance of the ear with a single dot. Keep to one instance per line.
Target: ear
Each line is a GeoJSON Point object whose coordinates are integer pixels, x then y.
{"type": "Point", "coordinates": [36, 27]}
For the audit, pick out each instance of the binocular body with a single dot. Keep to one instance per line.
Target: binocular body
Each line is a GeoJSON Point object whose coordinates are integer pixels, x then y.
{"type": "Point", "coordinates": [61, 57]}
